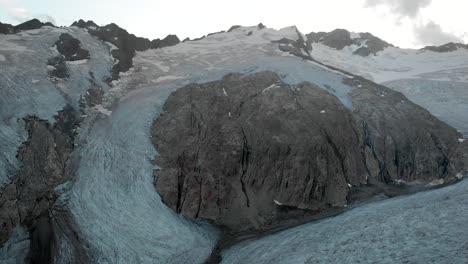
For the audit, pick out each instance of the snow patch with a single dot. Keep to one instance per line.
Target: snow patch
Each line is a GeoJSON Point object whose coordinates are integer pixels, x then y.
{"type": "Point", "coordinates": [436, 182]}
{"type": "Point", "coordinates": [270, 87]}
{"type": "Point", "coordinates": [33, 81]}
{"type": "Point", "coordinates": [167, 78]}
{"type": "Point", "coordinates": [224, 92]}
{"type": "Point", "coordinates": [78, 62]}
{"type": "Point", "coordinates": [355, 35]}
{"type": "Point", "coordinates": [102, 110]}
{"type": "Point", "coordinates": [323, 112]}
{"type": "Point", "coordinates": [277, 203]}
{"type": "Point", "coordinates": [111, 46]}
{"type": "Point", "coordinates": [461, 140]}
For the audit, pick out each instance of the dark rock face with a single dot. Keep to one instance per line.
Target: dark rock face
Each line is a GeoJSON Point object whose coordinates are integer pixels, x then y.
{"type": "Point", "coordinates": [6, 29]}
{"type": "Point", "coordinates": [84, 24]}
{"type": "Point", "coordinates": [362, 51]}
{"type": "Point", "coordinates": [407, 142]}
{"type": "Point", "coordinates": [32, 24]}
{"type": "Point", "coordinates": [446, 47]}
{"type": "Point", "coordinates": [238, 150]}
{"type": "Point", "coordinates": [338, 39]}
{"type": "Point", "coordinates": [27, 199]}
{"type": "Point", "coordinates": [169, 40]}
{"type": "Point", "coordinates": [59, 67]}
{"type": "Point", "coordinates": [28, 25]}
{"type": "Point", "coordinates": [299, 47]}
{"type": "Point", "coordinates": [373, 44]}
{"type": "Point", "coordinates": [71, 48]}
{"type": "Point", "coordinates": [127, 45]}
{"type": "Point", "coordinates": [341, 38]}
{"type": "Point", "coordinates": [233, 27]}
{"type": "Point", "coordinates": [316, 37]}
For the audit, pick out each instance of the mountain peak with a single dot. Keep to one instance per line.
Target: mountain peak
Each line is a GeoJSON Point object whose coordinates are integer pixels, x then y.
{"type": "Point", "coordinates": [449, 47]}
{"type": "Point", "coordinates": [365, 43]}
{"type": "Point", "coordinates": [84, 24]}
{"type": "Point", "coordinates": [33, 24]}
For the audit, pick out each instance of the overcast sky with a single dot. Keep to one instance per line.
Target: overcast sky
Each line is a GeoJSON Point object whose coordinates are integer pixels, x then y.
{"type": "Point", "coordinates": [405, 23]}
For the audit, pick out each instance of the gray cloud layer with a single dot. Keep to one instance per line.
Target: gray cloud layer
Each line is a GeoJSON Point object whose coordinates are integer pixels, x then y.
{"type": "Point", "coordinates": [409, 8]}
{"type": "Point", "coordinates": [433, 34]}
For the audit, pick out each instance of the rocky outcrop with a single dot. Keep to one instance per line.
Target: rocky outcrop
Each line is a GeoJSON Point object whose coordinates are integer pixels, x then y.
{"type": "Point", "coordinates": [127, 45]}
{"type": "Point", "coordinates": [233, 27]}
{"type": "Point", "coordinates": [93, 96]}
{"type": "Point", "coordinates": [300, 47]}
{"type": "Point", "coordinates": [6, 28]}
{"type": "Point", "coordinates": [57, 68]}
{"type": "Point", "coordinates": [407, 142]}
{"type": "Point", "coordinates": [370, 44]}
{"type": "Point", "coordinates": [71, 48]}
{"type": "Point", "coordinates": [169, 40]}
{"type": "Point", "coordinates": [241, 150]}
{"type": "Point", "coordinates": [84, 24]}
{"type": "Point", "coordinates": [27, 199]}
{"type": "Point", "coordinates": [341, 38]}
{"type": "Point", "coordinates": [32, 24]}
{"type": "Point", "coordinates": [449, 47]}
{"type": "Point", "coordinates": [28, 25]}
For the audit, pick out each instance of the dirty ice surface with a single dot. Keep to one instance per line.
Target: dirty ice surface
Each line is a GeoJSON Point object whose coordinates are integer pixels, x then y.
{"type": "Point", "coordinates": [26, 90]}
{"type": "Point", "coordinates": [427, 227]}
{"type": "Point", "coordinates": [113, 201]}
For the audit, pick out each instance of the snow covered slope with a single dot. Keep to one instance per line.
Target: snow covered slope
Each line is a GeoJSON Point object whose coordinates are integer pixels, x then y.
{"type": "Point", "coordinates": [436, 81]}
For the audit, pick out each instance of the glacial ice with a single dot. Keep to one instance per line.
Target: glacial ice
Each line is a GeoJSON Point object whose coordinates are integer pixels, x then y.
{"type": "Point", "coordinates": [446, 100]}
{"type": "Point", "coordinates": [22, 94]}
{"type": "Point", "coordinates": [113, 201]}
{"type": "Point", "coordinates": [427, 227]}
{"type": "Point", "coordinates": [119, 215]}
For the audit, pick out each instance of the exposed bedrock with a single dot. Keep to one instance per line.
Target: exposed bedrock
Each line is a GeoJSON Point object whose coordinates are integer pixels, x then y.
{"type": "Point", "coordinates": [237, 150]}
{"type": "Point", "coordinates": [127, 44]}
{"type": "Point", "coordinates": [28, 25]}
{"type": "Point", "coordinates": [446, 47]}
{"type": "Point", "coordinates": [71, 48]}
{"type": "Point", "coordinates": [341, 38]}
{"type": "Point", "coordinates": [28, 199]}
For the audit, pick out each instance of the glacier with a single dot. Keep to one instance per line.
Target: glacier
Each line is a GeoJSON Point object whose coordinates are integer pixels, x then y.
{"type": "Point", "coordinates": [118, 214]}
{"type": "Point", "coordinates": [113, 200]}
{"type": "Point", "coordinates": [427, 227]}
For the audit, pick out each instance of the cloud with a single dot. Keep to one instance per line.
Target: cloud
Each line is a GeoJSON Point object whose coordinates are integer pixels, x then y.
{"type": "Point", "coordinates": [20, 15]}
{"type": "Point", "coordinates": [402, 8]}
{"type": "Point", "coordinates": [8, 1]}
{"type": "Point", "coordinates": [433, 34]}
